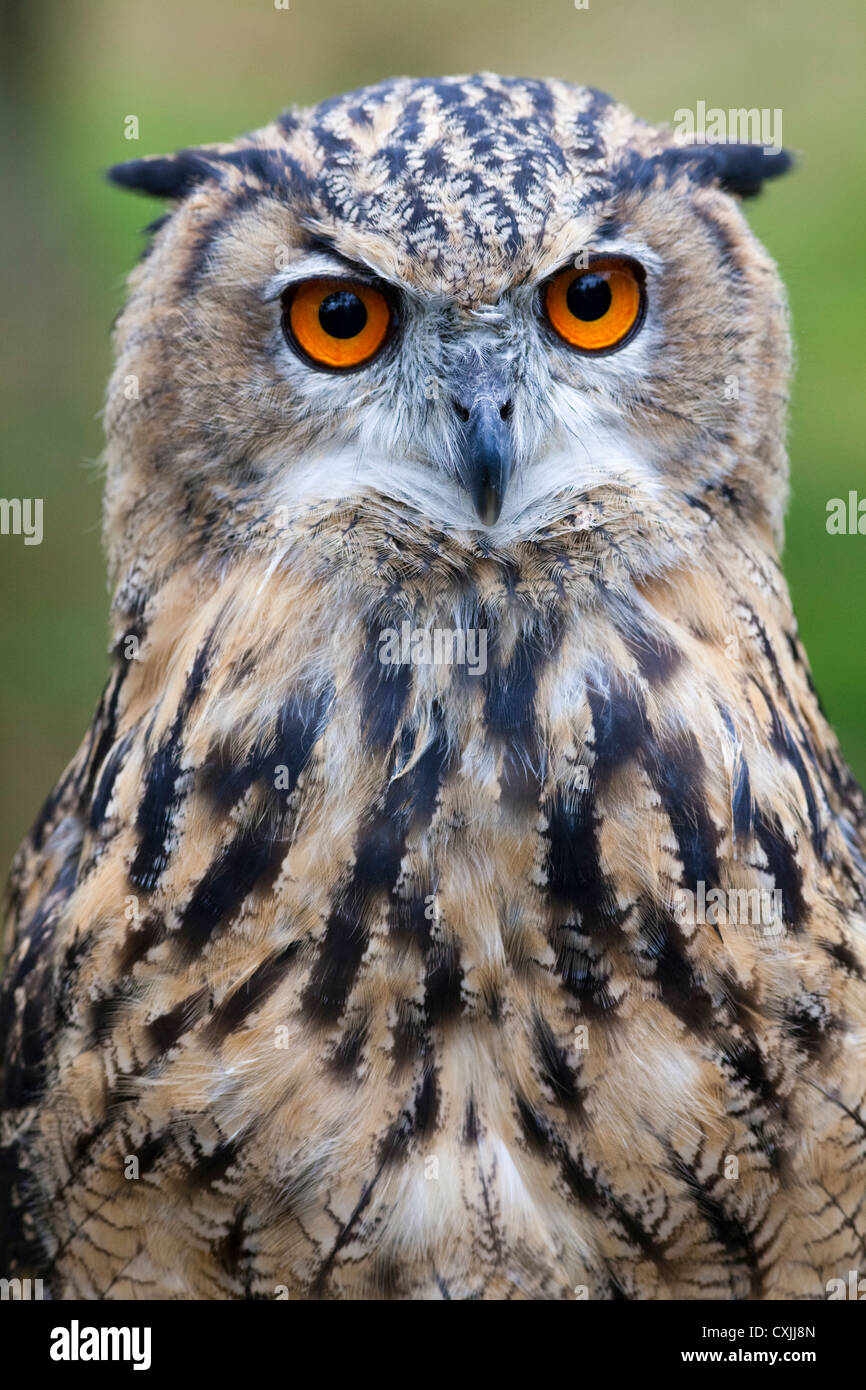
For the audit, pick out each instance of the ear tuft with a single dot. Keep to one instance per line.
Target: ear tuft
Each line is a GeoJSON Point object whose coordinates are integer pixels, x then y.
{"type": "Point", "coordinates": [742, 169]}
{"type": "Point", "coordinates": [169, 176]}
{"type": "Point", "coordinates": [737, 168]}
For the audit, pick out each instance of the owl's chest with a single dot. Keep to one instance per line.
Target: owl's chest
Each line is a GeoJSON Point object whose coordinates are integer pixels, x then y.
{"type": "Point", "coordinates": [455, 1018]}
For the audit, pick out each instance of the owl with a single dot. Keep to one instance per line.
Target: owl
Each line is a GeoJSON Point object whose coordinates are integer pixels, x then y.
{"type": "Point", "coordinates": [459, 893]}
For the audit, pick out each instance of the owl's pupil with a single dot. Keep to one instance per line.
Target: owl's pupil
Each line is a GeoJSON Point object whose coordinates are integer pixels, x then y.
{"type": "Point", "coordinates": [588, 297]}
{"type": "Point", "coordinates": [342, 314]}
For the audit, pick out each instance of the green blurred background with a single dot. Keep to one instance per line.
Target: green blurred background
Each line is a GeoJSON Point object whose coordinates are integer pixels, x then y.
{"type": "Point", "coordinates": [201, 70]}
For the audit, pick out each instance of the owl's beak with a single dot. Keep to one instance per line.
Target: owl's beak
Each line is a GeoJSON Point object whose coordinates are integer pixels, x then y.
{"type": "Point", "coordinates": [485, 453]}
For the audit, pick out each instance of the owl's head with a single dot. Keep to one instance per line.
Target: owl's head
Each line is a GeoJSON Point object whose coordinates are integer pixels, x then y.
{"type": "Point", "coordinates": [482, 313]}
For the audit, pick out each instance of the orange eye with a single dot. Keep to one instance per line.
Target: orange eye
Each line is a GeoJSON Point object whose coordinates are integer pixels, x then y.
{"type": "Point", "coordinates": [337, 323]}
{"type": "Point", "coordinates": [598, 309]}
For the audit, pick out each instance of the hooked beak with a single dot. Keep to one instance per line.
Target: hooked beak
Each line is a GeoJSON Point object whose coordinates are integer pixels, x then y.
{"type": "Point", "coordinates": [485, 450]}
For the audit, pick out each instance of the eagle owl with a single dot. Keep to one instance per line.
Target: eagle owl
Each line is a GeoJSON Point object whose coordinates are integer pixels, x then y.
{"type": "Point", "coordinates": [459, 892]}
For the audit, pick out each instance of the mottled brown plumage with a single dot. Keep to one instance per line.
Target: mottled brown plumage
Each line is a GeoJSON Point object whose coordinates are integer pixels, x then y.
{"type": "Point", "coordinates": [332, 978]}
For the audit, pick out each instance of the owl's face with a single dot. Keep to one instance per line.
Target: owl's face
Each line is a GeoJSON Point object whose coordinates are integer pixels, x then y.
{"type": "Point", "coordinates": [483, 308]}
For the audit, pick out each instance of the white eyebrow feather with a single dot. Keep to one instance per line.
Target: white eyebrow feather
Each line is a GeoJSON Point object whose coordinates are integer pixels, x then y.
{"type": "Point", "coordinates": [315, 263]}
